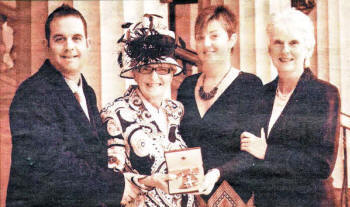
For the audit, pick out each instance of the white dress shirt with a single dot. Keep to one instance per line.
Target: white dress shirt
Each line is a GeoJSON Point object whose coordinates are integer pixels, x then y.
{"type": "Point", "coordinates": [78, 88]}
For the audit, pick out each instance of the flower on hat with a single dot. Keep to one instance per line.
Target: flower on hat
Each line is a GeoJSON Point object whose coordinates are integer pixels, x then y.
{"type": "Point", "coordinates": [144, 43]}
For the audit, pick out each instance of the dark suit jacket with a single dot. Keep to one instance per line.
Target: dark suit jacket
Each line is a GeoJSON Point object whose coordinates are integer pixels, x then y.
{"type": "Point", "coordinates": [58, 157]}
{"type": "Point", "coordinates": [302, 144]}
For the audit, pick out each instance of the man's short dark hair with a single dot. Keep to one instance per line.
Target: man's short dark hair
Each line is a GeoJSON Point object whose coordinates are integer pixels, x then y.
{"type": "Point", "coordinates": [62, 11]}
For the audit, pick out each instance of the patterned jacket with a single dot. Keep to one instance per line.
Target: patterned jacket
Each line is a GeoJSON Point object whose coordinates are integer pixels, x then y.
{"type": "Point", "coordinates": [136, 145]}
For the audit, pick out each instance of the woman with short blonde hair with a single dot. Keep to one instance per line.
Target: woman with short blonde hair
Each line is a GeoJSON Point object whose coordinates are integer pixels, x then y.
{"type": "Point", "coordinates": [298, 142]}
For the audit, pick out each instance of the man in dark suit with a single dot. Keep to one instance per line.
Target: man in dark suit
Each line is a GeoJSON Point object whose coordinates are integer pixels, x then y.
{"type": "Point", "coordinates": [59, 155]}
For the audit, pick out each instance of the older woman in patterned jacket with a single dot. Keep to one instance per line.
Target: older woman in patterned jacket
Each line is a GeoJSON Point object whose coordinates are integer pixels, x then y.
{"type": "Point", "coordinates": [143, 124]}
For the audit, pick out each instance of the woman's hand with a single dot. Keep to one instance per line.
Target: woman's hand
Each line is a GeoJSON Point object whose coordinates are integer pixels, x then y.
{"type": "Point", "coordinates": [209, 181]}
{"type": "Point", "coordinates": [131, 193]}
{"type": "Point", "coordinates": [254, 145]}
{"type": "Point", "coordinates": [157, 180]}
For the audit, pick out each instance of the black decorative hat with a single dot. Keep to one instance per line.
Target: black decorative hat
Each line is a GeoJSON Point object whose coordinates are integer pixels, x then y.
{"type": "Point", "coordinates": [144, 43]}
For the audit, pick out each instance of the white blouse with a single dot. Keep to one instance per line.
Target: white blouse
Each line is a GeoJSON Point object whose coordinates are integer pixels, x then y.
{"type": "Point", "coordinates": [280, 102]}
{"type": "Point", "coordinates": [78, 88]}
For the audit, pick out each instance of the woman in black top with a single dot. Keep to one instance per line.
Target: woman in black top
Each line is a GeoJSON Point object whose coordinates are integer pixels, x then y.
{"type": "Point", "coordinates": [300, 115]}
{"type": "Point", "coordinates": [218, 102]}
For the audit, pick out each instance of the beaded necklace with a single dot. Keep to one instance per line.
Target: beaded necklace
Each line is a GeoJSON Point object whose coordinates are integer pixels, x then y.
{"type": "Point", "coordinates": [207, 96]}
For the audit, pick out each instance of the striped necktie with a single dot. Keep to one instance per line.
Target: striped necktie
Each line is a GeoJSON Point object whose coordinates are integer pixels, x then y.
{"type": "Point", "coordinates": [76, 94]}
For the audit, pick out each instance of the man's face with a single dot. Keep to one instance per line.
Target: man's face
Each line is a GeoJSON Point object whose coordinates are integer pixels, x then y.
{"type": "Point", "coordinates": [68, 45]}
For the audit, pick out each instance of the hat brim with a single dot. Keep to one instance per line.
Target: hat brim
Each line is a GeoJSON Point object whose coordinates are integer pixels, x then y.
{"type": "Point", "coordinates": [127, 73]}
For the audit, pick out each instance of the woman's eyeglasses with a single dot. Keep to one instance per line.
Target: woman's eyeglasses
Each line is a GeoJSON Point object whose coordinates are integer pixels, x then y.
{"type": "Point", "coordinates": [159, 70]}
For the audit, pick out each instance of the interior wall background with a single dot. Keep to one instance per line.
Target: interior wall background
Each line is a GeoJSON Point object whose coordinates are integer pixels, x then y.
{"type": "Point", "coordinates": [330, 61]}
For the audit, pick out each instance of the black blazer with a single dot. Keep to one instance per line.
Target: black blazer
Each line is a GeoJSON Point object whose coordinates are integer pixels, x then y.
{"type": "Point", "coordinates": [302, 144]}
{"type": "Point", "coordinates": [59, 157]}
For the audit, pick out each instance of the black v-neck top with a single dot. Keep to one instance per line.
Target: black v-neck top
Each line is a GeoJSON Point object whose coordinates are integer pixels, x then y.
{"type": "Point", "coordinates": [218, 131]}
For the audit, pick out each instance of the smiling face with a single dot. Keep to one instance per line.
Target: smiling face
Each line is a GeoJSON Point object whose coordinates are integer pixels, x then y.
{"type": "Point", "coordinates": [153, 85]}
{"type": "Point", "coordinates": [288, 48]}
{"type": "Point", "coordinates": [214, 44]}
{"type": "Point", "coordinates": [68, 45]}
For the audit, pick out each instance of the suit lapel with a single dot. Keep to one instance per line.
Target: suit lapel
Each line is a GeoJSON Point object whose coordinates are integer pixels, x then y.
{"type": "Point", "coordinates": [292, 105]}
{"type": "Point", "coordinates": [91, 105]}
{"type": "Point", "coordinates": [269, 98]}
{"type": "Point", "coordinates": [62, 90]}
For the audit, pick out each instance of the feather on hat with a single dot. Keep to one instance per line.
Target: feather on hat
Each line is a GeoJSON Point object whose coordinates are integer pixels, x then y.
{"type": "Point", "coordinates": [144, 43]}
